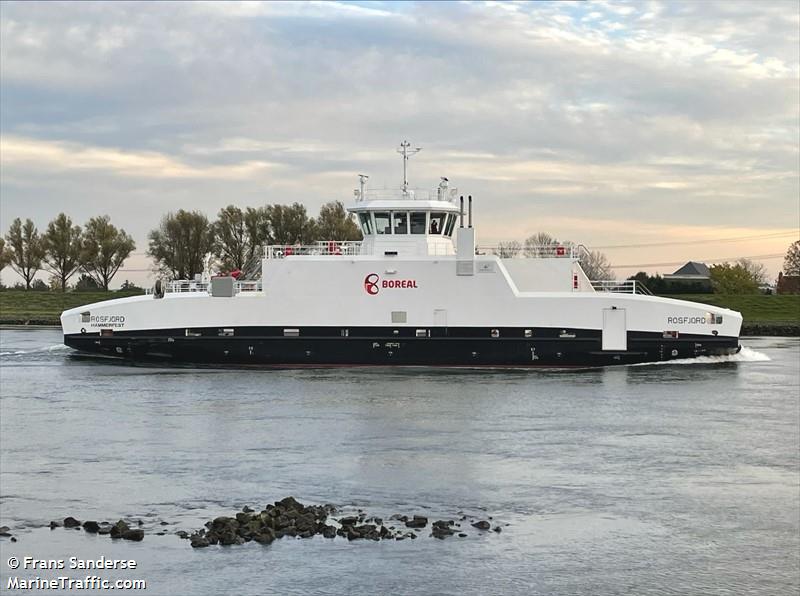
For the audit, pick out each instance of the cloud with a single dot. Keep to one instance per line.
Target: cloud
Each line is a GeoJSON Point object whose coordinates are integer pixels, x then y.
{"type": "Point", "coordinates": [634, 112]}
{"type": "Point", "coordinates": [46, 156]}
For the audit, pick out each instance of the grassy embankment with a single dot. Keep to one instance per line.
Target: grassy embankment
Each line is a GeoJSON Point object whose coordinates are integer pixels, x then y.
{"type": "Point", "coordinates": [763, 314]}
{"type": "Point", "coordinates": [774, 315]}
{"type": "Point", "coordinates": [18, 307]}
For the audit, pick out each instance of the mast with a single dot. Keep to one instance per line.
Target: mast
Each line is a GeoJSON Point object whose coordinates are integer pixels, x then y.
{"type": "Point", "coordinates": [406, 152]}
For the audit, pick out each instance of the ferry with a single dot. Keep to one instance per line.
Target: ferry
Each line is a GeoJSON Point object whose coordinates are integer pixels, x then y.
{"type": "Point", "coordinates": [416, 291]}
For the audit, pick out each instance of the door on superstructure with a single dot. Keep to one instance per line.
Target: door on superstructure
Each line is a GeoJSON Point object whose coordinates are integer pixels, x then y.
{"type": "Point", "coordinates": [615, 330]}
{"type": "Point", "coordinates": [439, 317]}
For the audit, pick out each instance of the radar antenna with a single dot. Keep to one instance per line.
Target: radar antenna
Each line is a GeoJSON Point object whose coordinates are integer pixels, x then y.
{"type": "Point", "coordinates": [362, 180]}
{"type": "Point", "coordinates": [407, 152]}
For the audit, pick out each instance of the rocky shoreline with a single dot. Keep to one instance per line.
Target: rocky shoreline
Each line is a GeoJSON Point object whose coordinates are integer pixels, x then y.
{"type": "Point", "coordinates": [291, 518]}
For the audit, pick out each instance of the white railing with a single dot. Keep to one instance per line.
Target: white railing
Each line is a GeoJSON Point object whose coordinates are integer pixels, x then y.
{"type": "Point", "coordinates": [419, 194]}
{"type": "Point", "coordinates": [325, 248]}
{"type": "Point", "coordinates": [182, 286]}
{"type": "Point", "coordinates": [548, 251]}
{"type": "Point", "coordinates": [628, 286]}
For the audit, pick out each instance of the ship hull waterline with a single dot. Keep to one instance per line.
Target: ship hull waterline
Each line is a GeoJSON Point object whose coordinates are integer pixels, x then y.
{"type": "Point", "coordinates": [262, 348]}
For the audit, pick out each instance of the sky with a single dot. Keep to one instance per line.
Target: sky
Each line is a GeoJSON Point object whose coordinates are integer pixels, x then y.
{"type": "Point", "coordinates": [655, 132]}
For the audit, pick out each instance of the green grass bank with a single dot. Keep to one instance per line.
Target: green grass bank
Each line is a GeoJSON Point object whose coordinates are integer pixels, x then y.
{"type": "Point", "coordinates": [18, 307]}
{"type": "Point", "coordinates": [763, 314]}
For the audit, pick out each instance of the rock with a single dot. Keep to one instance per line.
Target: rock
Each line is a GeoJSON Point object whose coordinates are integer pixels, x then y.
{"type": "Point", "coordinates": [182, 534]}
{"type": "Point", "coordinates": [243, 518]}
{"type": "Point", "coordinates": [349, 521]}
{"type": "Point", "coordinates": [462, 535]}
{"type": "Point", "coordinates": [329, 532]}
{"type": "Point", "coordinates": [164, 523]}
{"type": "Point", "coordinates": [13, 539]}
{"type": "Point", "coordinates": [91, 526]}
{"type": "Point", "coordinates": [289, 503]}
{"type": "Point", "coordinates": [140, 523]}
{"type": "Point", "coordinates": [482, 525]}
{"type": "Point", "coordinates": [136, 535]}
{"type": "Point", "coordinates": [498, 529]}
{"type": "Point", "coordinates": [54, 525]}
{"type": "Point", "coordinates": [441, 529]}
{"type": "Point", "coordinates": [247, 509]}
{"type": "Point", "coordinates": [418, 521]}
{"type": "Point", "coordinates": [118, 529]}
{"type": "Point", "coordinates": [71, 522]}
{"type": "Point", "coordinates": [199, 541]}
{"type": "Point", "coordinates": [5, 531]}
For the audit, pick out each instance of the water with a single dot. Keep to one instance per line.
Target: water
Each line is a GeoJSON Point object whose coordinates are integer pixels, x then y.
{"type": "Point", "coordinates": [679, 478]}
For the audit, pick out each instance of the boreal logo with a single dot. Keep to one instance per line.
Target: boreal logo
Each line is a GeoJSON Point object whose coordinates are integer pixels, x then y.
{"type": "Point", "coordinates": [371, 283]}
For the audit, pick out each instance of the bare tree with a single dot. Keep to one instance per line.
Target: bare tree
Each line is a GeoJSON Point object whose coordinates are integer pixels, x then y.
{"type": "Point", "coordinates": [596, 266]}
{"type": "Point", "coordinates": [791, 264]}
{"type": "Point", "coordinates": [105, 249]}
{"type": "Point", "coordinates": [535, 242]}
{"type": "Point", "coordinates": [62, 244]}
{"type": "Point", "coordinates": [26, 250]}
{"type": "Point", "coordinates": [508, 250]}
{"type": "Point", "coordinates": [756, 271]}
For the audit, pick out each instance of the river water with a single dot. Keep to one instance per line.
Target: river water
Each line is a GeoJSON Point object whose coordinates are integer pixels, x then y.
{"type": "Point", "coordinates": [678, 478]}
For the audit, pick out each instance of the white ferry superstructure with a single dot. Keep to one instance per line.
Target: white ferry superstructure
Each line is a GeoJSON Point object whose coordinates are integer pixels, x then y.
{"type": "Point", "coordinates": [413, 292]}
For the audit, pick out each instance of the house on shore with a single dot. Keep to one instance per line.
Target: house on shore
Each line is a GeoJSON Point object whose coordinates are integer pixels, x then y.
{"type": "Point", "coordinates": [788, 284]}
{"type": "Point", "coordinates": [692, 278]}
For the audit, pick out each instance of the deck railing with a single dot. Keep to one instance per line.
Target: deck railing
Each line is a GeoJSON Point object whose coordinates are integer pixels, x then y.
{"type": "Point", "coordinates": [544, 251]}
{"type": "Point", "coordinates": [326, 248]}
{"type": "Point", "coordinates": [628, 286]}
{"type": "Point", "coordinates": [182, 286]}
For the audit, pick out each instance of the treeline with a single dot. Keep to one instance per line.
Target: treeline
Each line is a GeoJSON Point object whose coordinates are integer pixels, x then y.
{"type": "Point", "coordinates": [178, 245]}
{"type": "Point", "coordinates": [742, 277]}
{"type": "Point", "coordinates": [180, 242]}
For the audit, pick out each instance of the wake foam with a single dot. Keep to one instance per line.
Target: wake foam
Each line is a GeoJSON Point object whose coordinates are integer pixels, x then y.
{"type": "Point", "coordinates": [46, 349]}
{"type": "Point", "coordinates": [745, 355]}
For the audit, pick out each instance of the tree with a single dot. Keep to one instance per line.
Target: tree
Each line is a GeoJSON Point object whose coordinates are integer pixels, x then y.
{"type": "Point", "coordinates": [62, 243]}
{"type": "Point", "coordinates": [26, 251]}
{"type": "Point", "coordinates": [535, 242]}
{"type": "Point", "coordinates": [5, 255]}
{"type": "Point", "coordinates": [791, 264]}
{"type": "Point", "coordinates": [86, 283]}
{"type": "Point", "coordinates": [231, 240]}
{"type": "Point", "coordinates": [180, 243]}
{"type": "Point", "coordinates": [732, 279]}
{"type": "Point", "coordinates": [256, 222]}
{"type": "Point", "coordinates": [596, 266]}
{"type": "Point", "coordinates": [508, 250]}
{"type": "Point", "coordinates": [757, 271]}
{"type": "Point", "coordinates": [289, 224]}
{"type": "Point", "coordinates": [334, 223]}
{"type": "Point", "coordinates": [105, 249]}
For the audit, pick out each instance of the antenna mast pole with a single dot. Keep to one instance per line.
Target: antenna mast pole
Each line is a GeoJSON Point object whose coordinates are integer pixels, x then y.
{"type": "Point", "coordinates": [406, 152]}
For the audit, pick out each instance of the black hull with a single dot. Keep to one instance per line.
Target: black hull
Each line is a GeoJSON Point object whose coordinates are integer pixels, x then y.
{"type": "Point", "coordinates": [321, 347]}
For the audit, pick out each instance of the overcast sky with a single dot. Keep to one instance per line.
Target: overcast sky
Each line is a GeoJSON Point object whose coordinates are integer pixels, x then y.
{"type": "Point", "coordinates": [609, 123]}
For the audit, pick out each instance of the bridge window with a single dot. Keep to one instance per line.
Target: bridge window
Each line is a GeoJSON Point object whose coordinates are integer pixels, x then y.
{"type": "Point", "coordinates": [418, 222]}
{"type": "Point", "coordinates": [400, 220]}
{"type": "Point", "coordinates": [437, 223]}
{"type": "Point", "coordinates": [382, 223]}
{"type": "Point", "coordinates": [366, 223]}
{"type": "Point", "coordinates": [451, 222]}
